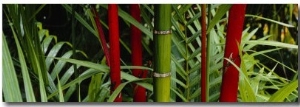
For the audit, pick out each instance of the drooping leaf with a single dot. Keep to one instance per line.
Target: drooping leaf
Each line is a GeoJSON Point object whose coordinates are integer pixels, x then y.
{"type": "Point", "coordinates": [283, 93]}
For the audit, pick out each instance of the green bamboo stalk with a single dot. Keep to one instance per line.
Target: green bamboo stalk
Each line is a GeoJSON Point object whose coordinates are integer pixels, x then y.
{"type": "Point", "coordinates": [209, 51]}
{"type": "Point", "coordinates": [162, 50]}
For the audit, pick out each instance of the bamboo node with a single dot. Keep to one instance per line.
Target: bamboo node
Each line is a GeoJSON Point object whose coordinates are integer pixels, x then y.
{"type": "Point", "coordinates": [162, 32]}
{"type": "Point", "coordinates": [161, 75]}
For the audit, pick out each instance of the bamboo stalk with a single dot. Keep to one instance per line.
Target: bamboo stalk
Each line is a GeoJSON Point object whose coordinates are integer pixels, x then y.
{"type": "Point", "coordinates": [101, 35]}
{"type": "Point", "coordinates": [162, 50]}
{"type": "Point", "coordinates": [230, 78]}
{"type": "Point", "coordinates": [203, 54]}
{"type": "Point", "coordinates": [139, 93]}
{"type": "Point", "coordinates": [113, 24]}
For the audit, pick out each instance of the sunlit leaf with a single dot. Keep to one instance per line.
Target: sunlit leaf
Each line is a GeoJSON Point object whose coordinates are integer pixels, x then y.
{"type": "Point", "coordinates": [282, 93]}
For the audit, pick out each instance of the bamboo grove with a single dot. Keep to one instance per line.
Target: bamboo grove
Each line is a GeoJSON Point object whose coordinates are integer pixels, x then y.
{"type": "Point", "coordinates": [149, 53]}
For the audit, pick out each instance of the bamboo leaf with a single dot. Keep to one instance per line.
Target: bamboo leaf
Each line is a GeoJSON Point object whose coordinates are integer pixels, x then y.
{"type": "Point", "coordinates": [26, 79]}
{"type": "Point", "coordinates": [95, 68]}
{"type": "Point", "coordinates": [46, 42]}
{"type": "Point", "coordinates": [87, 74]}
{"type": "Point", "coordinates": [195, 94]}
{"type": "Point", "coordinates": [54, 51]}
{"type": "Point", "coordinates": [272, 43]}
{"type": "Point", "coordinates": [247, 37]}
{"type": "Point", "coordinates": [179, 82]}
{"type": "Point", "coordinates": [284, 92]}
{"type": "Point", "coordinates": [220, 13]}
{"type": "Point", "coordinates": [129, 77]}
{"type": "Point", "coordinates": [100, 67]}
{"type": "Point", "coordinates": [264, 51]}
{"type": "Point", "coordinates": [60, 93]}
{"type": "Point", "coordinates": [11, 88]}
{"type": "Point", "coordinates": [103, 69]}
{"type": "Point", "coordinates": [249, 46]}
{"type": "Point", "coordinates": [194, 54]}
{"type": "Point", "coordinates": [132, 21]}
{"type": "Point", "coordinates": [119, 89]}
{"type": "Point", "coordinates": [81, 20]}
{"type": "Point", "coordinates": [179, 95]}
{"type": "Point", "coordinates": [245, 90]}
{"type": "Point", "coordinates": [61, 64]}
{"type": "Point", "coordinates": [42, 87]}
{"type": "Point", "coordinates": [67, 75]}
{"type": "Point", "coordinates": [69, 92]}
{"type": "Point", "coordinates": [270, 20]}
{"type": "Point", "coordinates": [136, 67]}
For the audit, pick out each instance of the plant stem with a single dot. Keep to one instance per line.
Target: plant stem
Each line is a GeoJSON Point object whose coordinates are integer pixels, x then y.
{"type": "Point", "coordinates": [139, 94]}
{"type": "Point", "coordinates": [101, 35]}
{"type": "Point", "coordinates": [113, 24]}
{"type": "Point", "coordinates": [203, 54]}
{"type": "Point", "coordinates": [209, 49]}
{"type": "Point", "coordinates": [162, 50]}
{"type": "Point", "coordinates": [230, 78]}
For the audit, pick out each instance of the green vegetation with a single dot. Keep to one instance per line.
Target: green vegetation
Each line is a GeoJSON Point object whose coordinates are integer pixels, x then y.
{"type": "Point", "coordinates": [58, 55]}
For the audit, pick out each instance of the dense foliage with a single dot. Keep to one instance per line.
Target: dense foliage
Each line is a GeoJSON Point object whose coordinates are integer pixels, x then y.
{"type": "Point", "coordinates": [54, 53]}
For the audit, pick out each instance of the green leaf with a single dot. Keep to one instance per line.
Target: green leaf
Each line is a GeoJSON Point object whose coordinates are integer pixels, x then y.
{"type": "Point", "coordinates": [60, 92]}
{"type": "Point", "coordinates": [61, 64]}
{"type": "Point", "coordinates": [54, 51]}
{"type": "Point", "coordinates": [179, 95]}
{"type": "Point", "coordinates": [81, 20]}
{"type": "Point", "coordinates": [26, 79]}
{"type": "Point", "coordinates": [284, 92]}
{"type": "Point", "coordinates": [270, 20]}
{"type": "Point", "coordinates": [220, 13]}
{"type": "Point", "coordinates": [87, 74]}
{"type": "Point", "coordinates": [42, 87]}
{"type": "Point", "coordinates": [69, 92]}
{"type": "Point", "coordinates": [136, 67]}
{"type": "Point", "coordinates": [247, 37]}
{"type": "Point", "coordinates": [119, 89]}
{"type": "Point", "coordinates": [67, 75]}
{"type": "Point", "coordinates": [46, 42]}
{"type": "Point", "coordinates": [95, 68]}
{"type": "Point", "coordinates": [100, 67]}
{"type": "Point", "coordinates": [11, 88]}
{"type": "Point", "coordinates": [127, 17]}
{"type": "Point", "coordinates": [272, 43]}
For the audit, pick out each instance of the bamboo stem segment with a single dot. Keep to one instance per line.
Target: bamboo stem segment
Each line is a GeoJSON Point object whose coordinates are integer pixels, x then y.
{"type": "Point", "coordinates": [113, 24]}
{"type": "Point", "coordinates": [229, 87]}
{"type": "Point", "coordinates": [204, 92]}
{"type": "Point", "coordinates": [162, 50]}
{"type": "Point", "coordinates": [139, 93]}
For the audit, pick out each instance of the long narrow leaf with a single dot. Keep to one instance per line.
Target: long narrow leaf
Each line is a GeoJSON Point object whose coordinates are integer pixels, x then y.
{"type": "Point", "coordinates": [272, 43]}
{"type": "Point", "coordinates": [25, 73]}
{"type": "Point", "coordinates": [11, 88]}
{"type": "Point", "coordinates": [220, 13]}
{"type": "Point", "coordinates": [281, 94]}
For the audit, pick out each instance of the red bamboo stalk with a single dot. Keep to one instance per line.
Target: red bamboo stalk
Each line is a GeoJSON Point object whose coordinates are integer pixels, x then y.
{"type": "Point", "coordinates": [101, 35]}
{"type": "Point", "coordinates": [229, 87]}
{"type": "Point", "coordinates": [203, 53]}
{"type": "Point", "coordinates": [113, 24]}
{"type": "Point", "coordinates": [139, 94]}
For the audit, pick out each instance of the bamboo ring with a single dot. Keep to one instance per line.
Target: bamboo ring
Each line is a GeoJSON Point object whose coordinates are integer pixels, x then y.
{"type": "Point", "coordinates": [161, 75]}
{"type": "Point", "coordinates": [162, 32]}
